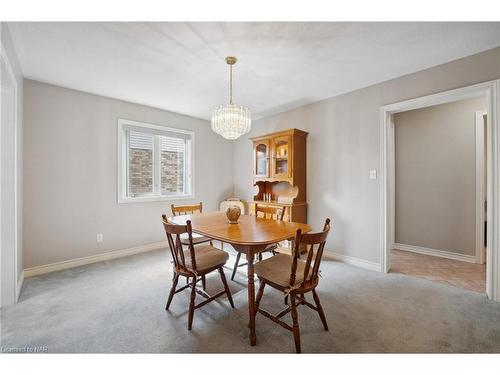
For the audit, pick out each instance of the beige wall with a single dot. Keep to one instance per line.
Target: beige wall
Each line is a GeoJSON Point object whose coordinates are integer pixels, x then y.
{"type": "Point", "coordinates": [70, 174]}
{"type": "Point", "coordinates": [70, 163]}
{"type": "Point", "coordinates": [344, 144]}
{"type": "Point", "coordinates": [436, 176]}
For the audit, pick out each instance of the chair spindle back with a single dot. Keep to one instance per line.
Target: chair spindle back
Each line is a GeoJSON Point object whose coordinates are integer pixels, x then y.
{"type": "Point", "coordinates": [173, 233]}
{"type": "Point", "coordinates": [313, 260]}
{"type": "Point", "coordinates": [186, 210]}
{"type": "Point", "coordinates": [270, 212]}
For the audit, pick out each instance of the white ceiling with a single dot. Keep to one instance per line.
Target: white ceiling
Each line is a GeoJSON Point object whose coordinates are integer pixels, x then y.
{"type": "Point", "coordinates": [180, 67]}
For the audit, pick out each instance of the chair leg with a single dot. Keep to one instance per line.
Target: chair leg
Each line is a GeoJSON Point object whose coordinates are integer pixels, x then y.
{"type": "Point", "coordinates": [172, 290]}
{"type": "Point", "coordinates": [236, 265]}
{"type": "Point", "coordinates": [204, 283]}
{"type": "Point", "coordinates": [187, 280]}
{"type": "Point", "coordinates": [260, 293]}
{"type": "Point", "coordinates": [191, 304]}
{"type": "Point", "coordinates": [226, 287]}
{"type": "Point", "coordinates": [286, 299]}
{"type": "Point", "coordinates": [320, 310]}
{"type": "Point", "coordinates": [296, 331]}
{"type": "Point", "coordinates": [260, 257]}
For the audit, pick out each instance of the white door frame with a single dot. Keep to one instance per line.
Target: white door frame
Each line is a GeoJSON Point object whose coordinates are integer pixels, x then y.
{"type": "Point", "coordinates": [480, 185]}
{"type": "Point", "coordinates": [13, 284]}
{"type": "Point", "coordinates": [387, 192]}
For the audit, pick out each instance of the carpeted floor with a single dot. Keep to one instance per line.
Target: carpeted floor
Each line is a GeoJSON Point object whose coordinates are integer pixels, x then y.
{"type": "Point", "coordinates": [118, 306]}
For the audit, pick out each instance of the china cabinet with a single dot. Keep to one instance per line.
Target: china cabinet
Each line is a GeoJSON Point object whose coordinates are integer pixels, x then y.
{"type": "Point", "coordinates": [279, 172]}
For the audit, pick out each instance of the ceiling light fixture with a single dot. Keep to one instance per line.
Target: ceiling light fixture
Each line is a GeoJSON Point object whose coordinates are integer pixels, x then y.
{"type": "Point", "coordinates": [231, 121]}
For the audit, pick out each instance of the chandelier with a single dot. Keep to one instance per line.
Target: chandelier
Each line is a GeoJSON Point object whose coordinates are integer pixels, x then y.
{"type": "Point", "coordinates": [231, 121]}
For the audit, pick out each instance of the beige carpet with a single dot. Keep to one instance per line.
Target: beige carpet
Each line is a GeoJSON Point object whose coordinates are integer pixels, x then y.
{"type": "Point", "coordinates": [118, 306]}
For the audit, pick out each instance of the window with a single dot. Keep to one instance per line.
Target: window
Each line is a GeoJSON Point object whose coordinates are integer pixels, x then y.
{"type": "Point", "coordinates": [155, 162]}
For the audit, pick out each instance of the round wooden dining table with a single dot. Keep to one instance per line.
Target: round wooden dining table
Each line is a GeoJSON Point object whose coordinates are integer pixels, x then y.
{"type": "Point", "coordinates": [250, 236]}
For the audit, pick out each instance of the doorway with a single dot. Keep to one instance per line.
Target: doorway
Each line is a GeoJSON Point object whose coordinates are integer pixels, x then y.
{"type": "Point", "coordinates": [439, 172]}
{"type": "Point", "coordinates": [388, 188]}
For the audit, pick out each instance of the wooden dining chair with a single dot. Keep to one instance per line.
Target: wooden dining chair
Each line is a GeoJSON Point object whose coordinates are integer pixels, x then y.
{"type": "Point", "coordinates": [186, 210]}
{"type": "Point", "coordinates": [294, 277]}
{"type": "Point", "coordinates": [266, 212]}
{"type": "Point", "coordinates": [195, 265]}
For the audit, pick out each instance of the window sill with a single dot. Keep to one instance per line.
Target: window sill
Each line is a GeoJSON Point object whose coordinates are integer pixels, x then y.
{"type": "Point", "coordinates": [154, 199]}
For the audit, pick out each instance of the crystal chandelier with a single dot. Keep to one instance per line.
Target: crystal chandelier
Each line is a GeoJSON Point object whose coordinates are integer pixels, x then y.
{"type": "Point", "coordinates": [230, 120]}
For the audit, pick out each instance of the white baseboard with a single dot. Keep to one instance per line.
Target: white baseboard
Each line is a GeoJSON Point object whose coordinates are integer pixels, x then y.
{"type": "Point", "coordinates": [19, 286]}
{"type": "Point", "coordinates": [358, 262]}
{"type": "Point", "coordinates": [436, 253]}
{"type": "Point", "coordinates": [40, 270]}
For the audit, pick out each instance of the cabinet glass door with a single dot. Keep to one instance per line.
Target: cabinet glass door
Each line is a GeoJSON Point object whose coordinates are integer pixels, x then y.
{"type": "Point", "coordinates": [281, 157]}
{"type": "Point", "coordinates": [262, 159]}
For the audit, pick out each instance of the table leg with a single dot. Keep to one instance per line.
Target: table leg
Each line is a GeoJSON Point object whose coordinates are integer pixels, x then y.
{"type": "Point", "coordinates": [251, 297]}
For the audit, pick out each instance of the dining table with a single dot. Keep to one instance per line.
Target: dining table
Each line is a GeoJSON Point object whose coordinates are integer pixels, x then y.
{"type": "Point", "coordinates": [250, 236]}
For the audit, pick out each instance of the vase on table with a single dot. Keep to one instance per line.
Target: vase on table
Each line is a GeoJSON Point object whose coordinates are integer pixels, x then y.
{"type": "Point", "coordinates": [233, 213]}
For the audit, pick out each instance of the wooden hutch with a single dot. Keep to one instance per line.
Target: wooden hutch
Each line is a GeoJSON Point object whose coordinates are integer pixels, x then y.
{"type": "Point", "coordinates": [279, 165]}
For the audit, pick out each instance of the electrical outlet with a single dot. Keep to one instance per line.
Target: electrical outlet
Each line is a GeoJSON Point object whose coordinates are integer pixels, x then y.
{"type": "Point", "coordinates": [100, 237]}
{"type": "Point", "coordinates": [373, 174]}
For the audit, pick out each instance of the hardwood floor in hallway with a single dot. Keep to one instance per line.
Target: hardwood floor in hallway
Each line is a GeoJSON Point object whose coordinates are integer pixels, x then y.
{"type": "Point", "coordinates": [447, 271]}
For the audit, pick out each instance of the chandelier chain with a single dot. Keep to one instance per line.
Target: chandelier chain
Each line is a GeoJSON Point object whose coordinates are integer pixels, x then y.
{"type": "Point", "coordinates": [231, 84]}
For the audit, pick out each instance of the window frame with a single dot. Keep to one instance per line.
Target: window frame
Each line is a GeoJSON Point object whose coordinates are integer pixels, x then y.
{"type": "Point", "coordinates": [122, 163]}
